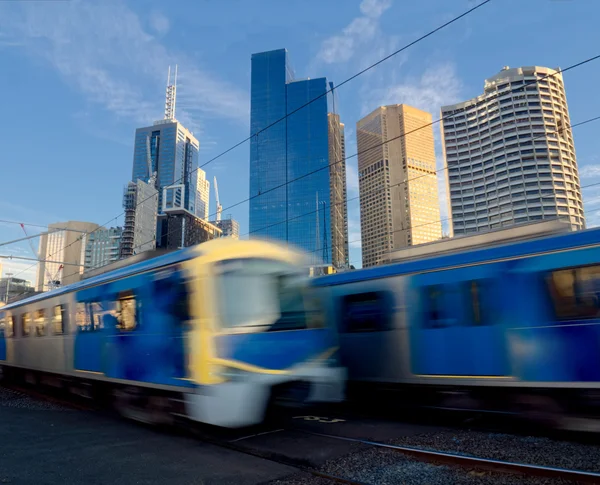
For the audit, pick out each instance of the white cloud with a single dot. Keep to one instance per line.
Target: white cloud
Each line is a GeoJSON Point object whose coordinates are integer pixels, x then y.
{"type": "Point", "coordinates": [103, 51]}
{"type": "Point", "coordinates": [589, 171]}
{"type": "Point", "coordinates": [159, 23]}
{"type": "Point", "coordinates": [342, 47]}
{"type": "Point", "coordinates": [374, 8]}
{"type": "Point", "coordinates": [437, 86]}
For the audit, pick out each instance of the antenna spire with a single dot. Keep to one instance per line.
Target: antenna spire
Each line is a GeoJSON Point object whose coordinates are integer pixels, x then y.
{"type": "Point", "coordinates": [171, 95]}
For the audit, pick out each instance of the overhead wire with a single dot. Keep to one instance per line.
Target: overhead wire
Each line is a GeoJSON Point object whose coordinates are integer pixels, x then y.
{"type": "Point", "coordinates": [389, 56]}
{"type": "Point", "coordinates": [541, 135]}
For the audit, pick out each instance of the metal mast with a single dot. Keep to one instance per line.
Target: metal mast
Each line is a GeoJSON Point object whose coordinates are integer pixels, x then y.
{"type": "Point", "coordinates": [171, 95]}
{"type": "Point", "coordinates": [219, 206]}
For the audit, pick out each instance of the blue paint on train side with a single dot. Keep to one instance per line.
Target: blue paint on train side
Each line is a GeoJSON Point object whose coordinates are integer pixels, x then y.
{"type": "Point", "coordinates": [153, 351]}
{"type": "Point", "coordinates": [455, 321]}
{"type": "Point", "coordinates": [494, 312]}
{"type": "Point", "coordinates": [278, 350]}
{"type": "Point", "coordinates": [572, 240]}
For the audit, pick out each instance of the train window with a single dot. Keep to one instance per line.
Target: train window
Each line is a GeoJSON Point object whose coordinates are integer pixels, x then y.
{"type": "Point", "coordinates": [89, 316]}
{"type": "Point", "coordinates": [434, 307]}
{"type": "Point", "coordinates": [25, 324]}
{"type": "Point", "coordinates": [126, 312]}
{"type": "Point", "coordinates": [475, 306]}
{"type": "Point", "coordinates": [59, 318]}
{"type": "Point", "coordinates": [40, 322]}
{"type": "Point", "coordinates": [453, 304]}
{"type": "Point", "coordinates": [96, 312]}
{"type": "Point", "coordinates": [82, 318]}
{"type": "Point", "coordinates": [364, 312]}
{"type": "Point", "coordinates": [575, 292]}
{"type": "Point", "coordinates": [9, 330]}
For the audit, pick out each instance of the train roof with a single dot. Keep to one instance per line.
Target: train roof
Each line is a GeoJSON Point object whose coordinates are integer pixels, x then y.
{"type": "Point", "coordinates": [481, 255]}
{"type": "Point", "coordinates": [142, 266]}
{"type": "Point", "coordinates": [145, 265]}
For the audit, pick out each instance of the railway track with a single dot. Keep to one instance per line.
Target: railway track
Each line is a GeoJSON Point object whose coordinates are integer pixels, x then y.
{"type": "Point", "coordinates": [472, 462]}
{"type": "Point", "coordinates": [305, 467]}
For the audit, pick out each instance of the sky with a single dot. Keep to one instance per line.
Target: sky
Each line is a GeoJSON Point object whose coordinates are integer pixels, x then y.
{"type": "Point", "coordinates": [78, 77]}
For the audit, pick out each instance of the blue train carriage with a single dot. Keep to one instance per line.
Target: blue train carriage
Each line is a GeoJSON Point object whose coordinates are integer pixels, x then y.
{"type": "Point", "coordinates": [511, 327]}
{"type": "Point", "coordinates": [216, 332]}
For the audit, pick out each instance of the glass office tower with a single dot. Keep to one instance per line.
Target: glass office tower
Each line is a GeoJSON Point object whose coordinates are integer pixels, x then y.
{"type": "Point", "coordinates": [294, 175]}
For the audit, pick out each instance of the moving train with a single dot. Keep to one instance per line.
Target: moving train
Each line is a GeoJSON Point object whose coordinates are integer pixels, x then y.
{"type": "Point", "coordinates": [216, 333]}
{"type": "Point", "coordinates": [511, 327]}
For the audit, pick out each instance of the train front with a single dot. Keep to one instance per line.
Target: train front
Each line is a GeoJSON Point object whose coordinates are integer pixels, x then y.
{"type": "Point", "coordinates": [270, 342]}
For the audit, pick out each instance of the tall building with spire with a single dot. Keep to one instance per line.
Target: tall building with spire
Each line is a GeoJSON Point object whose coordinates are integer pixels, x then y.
{"type": "Point", "coordinates": [297, 168]}
{"type": "Point", "coordinates": [167, 153]}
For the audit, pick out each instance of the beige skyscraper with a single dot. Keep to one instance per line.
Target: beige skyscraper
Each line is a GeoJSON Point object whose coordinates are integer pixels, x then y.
{"type": "Point", "coordinates": [62, 245]}
{"type": "Point", "coordinates": [510, 153]}
{"type": "Point", "coordinates": [399, 202]}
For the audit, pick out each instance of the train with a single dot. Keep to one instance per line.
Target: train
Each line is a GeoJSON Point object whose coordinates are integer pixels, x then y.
{"type": "Point", "coordinates": [509, 326]}
{"type": "Point", "coordinates": [216, 333]}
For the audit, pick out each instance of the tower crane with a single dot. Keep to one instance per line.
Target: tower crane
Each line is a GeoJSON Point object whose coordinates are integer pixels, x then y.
{"type": "Point", "coordinates": [219, 206]}
{"type": "Point", "coordinates": [52, 280]}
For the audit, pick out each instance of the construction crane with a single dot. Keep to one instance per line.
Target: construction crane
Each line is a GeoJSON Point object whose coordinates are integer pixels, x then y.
{"type": "Point", "coordinates": [151, 173]}
{"type": "Point", "coordinates": [219, 206]}
{"type": "Point", "coordinates": [53, 282]}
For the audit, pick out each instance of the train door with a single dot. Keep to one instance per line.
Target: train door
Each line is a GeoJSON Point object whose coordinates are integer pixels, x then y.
{"type": "Point", "coordinates": [91, 307]}
{"type": "Point", "coordinates": [455, 321]}
{"type": "Point", "coordinates": [147, 339]}
{"type": "Point", "coordinates": [365, 326]}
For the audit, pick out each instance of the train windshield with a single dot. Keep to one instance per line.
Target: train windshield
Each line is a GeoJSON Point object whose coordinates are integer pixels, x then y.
{"type": "Point", "coordinates": [265, 295]}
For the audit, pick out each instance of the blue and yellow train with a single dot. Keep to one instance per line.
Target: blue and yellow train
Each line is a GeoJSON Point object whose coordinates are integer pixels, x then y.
{"type": "Point", "coordinates": [512, 327]}
{"type": "Point", "coordinates": [216, 332]}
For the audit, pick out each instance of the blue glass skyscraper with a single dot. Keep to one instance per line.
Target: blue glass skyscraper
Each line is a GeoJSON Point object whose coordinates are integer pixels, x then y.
{"type": "Point", "coordinates": [297, 167]}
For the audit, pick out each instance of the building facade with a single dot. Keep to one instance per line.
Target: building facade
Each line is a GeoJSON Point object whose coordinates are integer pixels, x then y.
{"type": "Point", "coordinates": [140, 201]}
{"type": "Point", "coordinates": [60, 253]}
{"type": "Point", "coordinates": [13, 289]}
{"type": "Point", "coordinates": [229, 227]}
{"type": "Point", "coordinates": [202, 195]}
{"type": "Point", "coordinates": [183, 229]}
{"type": "Point", "coordinates": [510, 154]}
{"type": "Point", "coordinates": [290, 179]}
{"type": "Point", "coordinates": [173, 152]}
{"type": "Point", "coordinates": [101, 247]}
{"type": "Point", "coordinates": [398, 190]}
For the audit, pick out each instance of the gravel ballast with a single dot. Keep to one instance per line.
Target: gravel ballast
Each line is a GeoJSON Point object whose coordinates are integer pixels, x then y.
{"type": "Point", "coordinates": [15, 399]}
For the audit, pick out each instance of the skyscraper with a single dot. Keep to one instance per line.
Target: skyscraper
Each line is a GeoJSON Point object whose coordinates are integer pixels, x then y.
{"type": "Point", "coordinates": [229, 226]}
{"type": "Point", "coordinates": [100, 248]}
{"type": "Point", "coordinates": [140, 201]}
{"type": "Point", "coordinates": [399, 202]}
{"type": "Point", "coordinates": [202, 195]}
{"type": "Point", "coordinates": [60, 253]}
{"type": "Point", "coordinates": [510, 153]}
{"type": "Point", "coordinates": [287, 203]}
{"type": "Point", "coordinates": [170, 151]}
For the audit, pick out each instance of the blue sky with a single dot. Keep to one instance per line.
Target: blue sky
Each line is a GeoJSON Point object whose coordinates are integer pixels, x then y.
{"type": "Point", "coordinates": [79, 77]}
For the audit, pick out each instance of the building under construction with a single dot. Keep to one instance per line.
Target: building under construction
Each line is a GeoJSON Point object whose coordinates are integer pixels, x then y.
{"type": "Point", "coordinates": [140, 201]}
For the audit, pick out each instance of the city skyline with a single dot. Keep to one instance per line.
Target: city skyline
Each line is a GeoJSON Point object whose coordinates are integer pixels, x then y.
{"type": "Point", "coordinates": [449, 76]}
